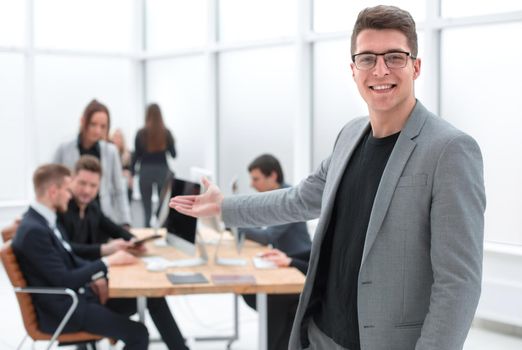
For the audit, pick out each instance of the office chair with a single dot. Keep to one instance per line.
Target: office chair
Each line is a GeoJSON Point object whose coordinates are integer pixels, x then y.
{"type": "Point", "coordinates": [23, 294]}
{"type": "Point", "coordinates": [9, 232]}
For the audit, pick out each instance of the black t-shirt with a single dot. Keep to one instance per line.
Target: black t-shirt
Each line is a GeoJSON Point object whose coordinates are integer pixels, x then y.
{"type": "Point", "coordinates": [334, 296]}
{"type": "Point", "coordinates": [88, 233]}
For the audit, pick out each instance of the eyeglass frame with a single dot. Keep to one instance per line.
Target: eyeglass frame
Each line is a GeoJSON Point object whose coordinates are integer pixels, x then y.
{"type": "Point", "coordinates": [408, 54]}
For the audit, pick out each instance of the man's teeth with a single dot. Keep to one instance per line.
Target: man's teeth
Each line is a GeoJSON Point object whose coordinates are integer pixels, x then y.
{"type": "Point", "coordinates": [381, 87]}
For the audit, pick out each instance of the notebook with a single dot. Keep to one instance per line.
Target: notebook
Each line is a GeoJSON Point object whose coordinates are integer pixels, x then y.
{"type": "Point", "coordinates": [233, 279]}
{"type": "Point", "coordinates": [186, 278]}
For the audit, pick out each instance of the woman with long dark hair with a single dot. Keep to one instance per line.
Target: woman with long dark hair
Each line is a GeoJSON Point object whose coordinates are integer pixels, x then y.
{"type": "Point", "coordinates": [151, 145]}
{"type": "Point", "coordinates": [94, 129]}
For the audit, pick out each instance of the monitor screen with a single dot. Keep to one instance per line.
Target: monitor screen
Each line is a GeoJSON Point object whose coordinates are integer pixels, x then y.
{"type": "Point", "coordinates": [180, 225]}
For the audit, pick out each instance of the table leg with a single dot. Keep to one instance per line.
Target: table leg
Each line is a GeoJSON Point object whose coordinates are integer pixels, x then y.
{"type": "Point", "coordinates": [263, 317]}
{"type": "Point", "coordinates": [141, 307]}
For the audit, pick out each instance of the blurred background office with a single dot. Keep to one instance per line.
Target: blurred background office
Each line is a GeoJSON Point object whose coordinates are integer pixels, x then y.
{"type": "Point", "coordinates": [238, 78]}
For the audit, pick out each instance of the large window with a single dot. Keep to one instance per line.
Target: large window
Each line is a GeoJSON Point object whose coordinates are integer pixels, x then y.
{"type": "Point", "coordinates": [237, 78]}
{"type": "Point", "coordinates": [175, 24]}
{"type": "Point", "coordinates": [63, 87]}
{"type": "Point", "coordinates": [84, 25]}
{"type": "Point", "coordinates": [179, 86]}
{"type": "Point", "coordinates": [258, 117]}
{"type": "Point", "coordinates": [244, 20]}
{"type": "Point", "coordinates": [481, 95]}
{"type": "Point", "coordinates": [12, 23]}
{"type": "Point", "coordinates": [12, 128]}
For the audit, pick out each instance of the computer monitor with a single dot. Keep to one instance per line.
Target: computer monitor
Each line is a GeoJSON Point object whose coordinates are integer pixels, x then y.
{"type": "Point", "coordinates": [181, 229]}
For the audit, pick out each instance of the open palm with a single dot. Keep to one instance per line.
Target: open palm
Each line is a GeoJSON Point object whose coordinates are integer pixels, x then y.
{"type": "Point", "coordinates": [203, 205]}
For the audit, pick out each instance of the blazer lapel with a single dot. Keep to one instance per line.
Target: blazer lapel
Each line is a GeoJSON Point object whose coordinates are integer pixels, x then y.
{"type": "Point", "coordinates": [393, 171]}
{"type": "Point", "coordinates": [346, 144]}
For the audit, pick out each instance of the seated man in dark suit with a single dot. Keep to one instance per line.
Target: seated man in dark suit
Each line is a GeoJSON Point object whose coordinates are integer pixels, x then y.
{"type": "Point", "coordinates": [89, 230]}
{"type": "Point", "coordinates": [292, 243]}
{"type": "Point", "coordinates": [46, 259]}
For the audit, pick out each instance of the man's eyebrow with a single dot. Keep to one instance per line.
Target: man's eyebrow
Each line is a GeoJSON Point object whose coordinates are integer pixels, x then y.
{"type": "Point", "coordinates": [378, 53]}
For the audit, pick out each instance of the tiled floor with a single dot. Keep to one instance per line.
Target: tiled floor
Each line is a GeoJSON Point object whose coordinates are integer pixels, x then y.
{"type": "Point", "coordinates": [207, 315]}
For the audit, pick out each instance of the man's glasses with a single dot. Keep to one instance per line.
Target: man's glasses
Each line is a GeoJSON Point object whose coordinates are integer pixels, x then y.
{"type": "Point", "coordinates": [393, 59]}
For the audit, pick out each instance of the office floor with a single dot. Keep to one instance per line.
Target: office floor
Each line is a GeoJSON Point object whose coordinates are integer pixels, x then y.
{"type": "Point", "coordinates": [206, 315]}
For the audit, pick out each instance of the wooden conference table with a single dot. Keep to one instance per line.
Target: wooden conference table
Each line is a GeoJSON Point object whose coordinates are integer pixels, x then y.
{"type": "Point", "coordinates": [135, 281]}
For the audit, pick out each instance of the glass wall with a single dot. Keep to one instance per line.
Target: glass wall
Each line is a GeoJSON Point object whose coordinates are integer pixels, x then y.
{"type": "Point", "coordinates": [179, 86]}
{"type": "Point", "coordinates": [481, 95]}
{"type": "Point", "coordinates": [86, 25]}
{"type": "Point", "coordinates": [65, 85]}
{"type": "Point", "coordinates": [12, 128]}
{"type": "Point", "coordinates": [250, 76]}
{"type": "Point", "coordinates": [257, 110]}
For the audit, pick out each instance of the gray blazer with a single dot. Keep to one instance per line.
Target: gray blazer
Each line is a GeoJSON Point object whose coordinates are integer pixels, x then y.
{"type": "Point", "coordinates": [421, 269]}
{"type": "Point", "coordinates": [113, 194]}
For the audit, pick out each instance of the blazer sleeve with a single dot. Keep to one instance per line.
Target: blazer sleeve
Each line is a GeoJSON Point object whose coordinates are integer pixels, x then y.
{"type": "Point", "coordinates": [170, 144]}
{"type": "Point", "coordinates": [58, 155]}
{"type": "Point", "coordinates": [138, 152]}
{"type": "Point", "coordinates": [119, 194]}
{"type": "Point", "coordinates": [457, 230]}
{"type": "Point", "coordinates": [300, 261]}
{"type": "Point", "coordinates": [299, 203]}
{"type": "Point", "coordinates": [40, 251]}
{"type": "Point", "coordinates": [86, 251]}
{"type": "Point", "coordinates": [109, 228]}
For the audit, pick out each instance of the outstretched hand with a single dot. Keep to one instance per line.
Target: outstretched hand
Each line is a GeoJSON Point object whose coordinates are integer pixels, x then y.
{"type": "Point", "coordinates": [204, 205]}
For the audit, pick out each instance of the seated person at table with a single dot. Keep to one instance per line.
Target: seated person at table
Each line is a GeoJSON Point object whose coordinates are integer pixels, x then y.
{"type": "Point", "coordinates": [293, 239]}
{"type": "Point", "coordinates": [88, 228]}
{"type": "Point", "coordinates": [91, 233]}
{"type": "Point", "coordinates": [47, 260]}
{"type": "Point", "coordinates": [281, 308]}
{"type": "Point", "coordinates": [266, 174]}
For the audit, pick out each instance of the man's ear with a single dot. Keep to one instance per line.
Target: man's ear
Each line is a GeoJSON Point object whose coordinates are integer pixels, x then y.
{"type": "Point", "coordinates": [352, 66]}
{"type": "Point", "coordinates": [416, 68]}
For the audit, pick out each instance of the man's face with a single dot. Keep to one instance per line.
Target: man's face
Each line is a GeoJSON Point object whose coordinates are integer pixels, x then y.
{"type": "Point", "coordinates": [85, 187]}
{"type": "Point", "coordinates": [61, 195]}
{"type": "Point", "coordinates": [263, 183]}
{"type": "Point", "coordinates": [97, 128]}
{"type": "Point", "coordinates": [385, 90]}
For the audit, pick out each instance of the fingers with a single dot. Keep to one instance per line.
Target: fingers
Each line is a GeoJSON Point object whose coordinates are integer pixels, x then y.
{"type": "Point", "coordinates": [185, 210]}
{"type": "Point", "coordinates": [182, 200]}
{"type": "Point", "coordinates": [206, 182]}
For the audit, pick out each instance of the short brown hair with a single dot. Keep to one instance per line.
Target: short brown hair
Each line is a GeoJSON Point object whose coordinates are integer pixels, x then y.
{"type": "Point", "coordinates": [49, 174]}
{"type": "Point", "coordinates": [267, 163]}
{"type": "Point", "coordinates": [88, 163]}
{"type": "Point", "coordinates": [93, 107]}
{"type": "Point", "coordinates": [386, 17]}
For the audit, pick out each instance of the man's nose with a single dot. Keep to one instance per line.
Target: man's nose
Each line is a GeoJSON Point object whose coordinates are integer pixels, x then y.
{"type": "Point", "coordinates": [380, 69]}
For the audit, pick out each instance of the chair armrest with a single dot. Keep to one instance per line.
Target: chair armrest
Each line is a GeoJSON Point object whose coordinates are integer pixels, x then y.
{"type": "Point", "coordinates": [54, 290]}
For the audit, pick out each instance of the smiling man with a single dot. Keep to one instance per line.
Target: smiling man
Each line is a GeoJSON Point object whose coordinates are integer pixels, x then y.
{"type": "Point", "coordinates": [396, 260]}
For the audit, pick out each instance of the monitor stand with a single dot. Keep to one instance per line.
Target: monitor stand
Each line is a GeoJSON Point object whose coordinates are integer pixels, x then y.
{"type": "Point", "coordinates": [202, 259]}
{"type": "Point", "coordinates": [227, 261]}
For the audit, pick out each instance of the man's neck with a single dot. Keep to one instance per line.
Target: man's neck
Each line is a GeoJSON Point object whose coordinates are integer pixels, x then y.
{"type": "Point", "coordinates": [47, 203]}
{"type": "Point", "coordinates": [386, 123]}
{"type": "Point", "coordinates": [81, 209]}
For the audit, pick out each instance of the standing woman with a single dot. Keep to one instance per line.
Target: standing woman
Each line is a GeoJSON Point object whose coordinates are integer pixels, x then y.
{"type": "Point", "coordinates": [94, 128]}
{"type": "Point", "coordinates": [151, 144]}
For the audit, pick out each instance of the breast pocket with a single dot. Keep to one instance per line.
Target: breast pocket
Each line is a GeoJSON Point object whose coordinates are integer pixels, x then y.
{"type": "Point", "coordinates": [417, 180]}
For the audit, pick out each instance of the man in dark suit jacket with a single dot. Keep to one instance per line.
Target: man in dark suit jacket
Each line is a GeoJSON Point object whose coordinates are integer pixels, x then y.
{"type": "Point", "coordinates": [47, 259]}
